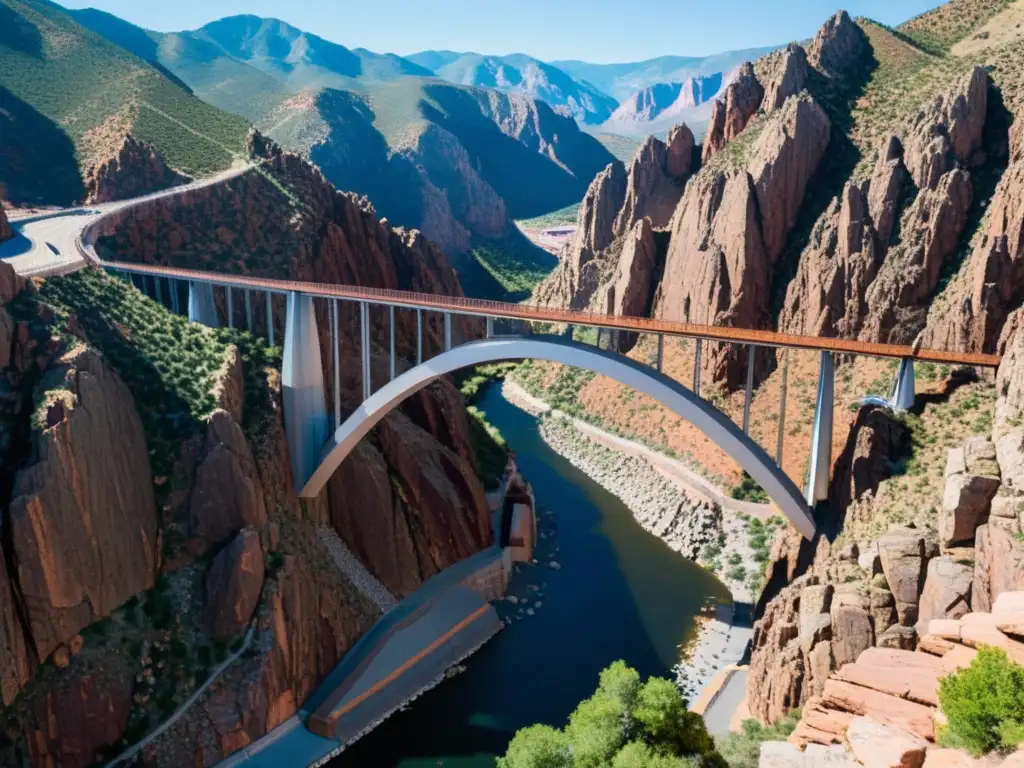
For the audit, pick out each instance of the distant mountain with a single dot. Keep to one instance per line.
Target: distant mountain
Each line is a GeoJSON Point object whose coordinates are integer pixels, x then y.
{"type": "Point", "coordinates": [69, 98]}
{"type": "Point", "coordinates": [623, 80]}
{"type": "Point", "coordinates": [301, 59]}
{"type": "Point", "coordinates": [659, 107]}
{"type": "Point", "coordinates": [519, 73]}
{"type": "Point", "coordinates": [457, 162]}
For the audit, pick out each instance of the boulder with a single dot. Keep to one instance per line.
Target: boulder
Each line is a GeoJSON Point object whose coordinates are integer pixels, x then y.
{"type": "Point", "coordinates": [947, 591]}
{"type": "Point", "coordinates": [889, 710]}
{"type": "Point", "coordinates": [881, 746]}
{"type": "Point", "coordinates": [851, 634]}
{"type": "Point", "coordinates": [900, 673]}
{"type": "Point", "coordinates": [876, 442]}
{"type": "Point", "coordinates": [998, 566]}
{"type": "Point", "coordinates": [233, 585]}
{"type": "Point", "coordinates": [979, 629]}
{"type": "Point", "coordinates": [5, 227]}
{"type": "Point", "coordinates": [882, 606]}
{"type": "Point", "coordinates": [897, 636]}
{"type": "Point", "coordinates": [972, 479]}
{"type": "Point", "coordinates": [781, 754]}
{"type": "Point", "coordinates": [904, 553]}
{"type": "Point", "coordinates": [1008, 611]}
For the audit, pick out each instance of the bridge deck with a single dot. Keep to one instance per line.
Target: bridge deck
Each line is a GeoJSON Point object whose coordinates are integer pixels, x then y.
{"type": "Point", "coordinates": [505, 310]}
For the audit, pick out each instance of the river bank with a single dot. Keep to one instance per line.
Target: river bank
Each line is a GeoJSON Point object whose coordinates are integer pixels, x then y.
{"type": "Point", "coordinates": [666, 503]}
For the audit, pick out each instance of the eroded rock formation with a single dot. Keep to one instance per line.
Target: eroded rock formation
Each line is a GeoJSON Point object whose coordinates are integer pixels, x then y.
{"type": "Point", "coordinates": [5, 227]}
{"type": "Point", "coordinates": [839, 44]}
{"type": "Point", "coordinates": [731, 226]}
{"type": "Point", "coordinates": [129, 168]}
{"type": "Point", "coordinates": [971, 312]}
{"type": "Point", "coordinates": [731, 113]}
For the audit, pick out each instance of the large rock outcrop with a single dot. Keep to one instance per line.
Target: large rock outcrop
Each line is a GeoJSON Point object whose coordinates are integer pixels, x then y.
{"type": "Point", "coordinates": [613, 263]}
{"type": "Point", "coordinates": [940, 146]}
{"type": "Point", "coordinates": [233, 585]}
{"type": "Point", "coordinates": [783, 74]}
{"type": "Point", "coordinates": [839, 44]}
{"type": "Point", "coordinates": [970, 314]}
{"type": "Point", "coordinates": [129, 168]}
{"type": "Point", "coordinates": [83, 516]}
{"type": "Point", "coordinates": [731, 226]}
{"type": "Point", "coordinates": [828, 296]}
{"type": "Point", "coordinates": [655, 180]}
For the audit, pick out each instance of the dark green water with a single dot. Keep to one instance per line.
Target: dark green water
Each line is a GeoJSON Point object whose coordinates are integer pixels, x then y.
{"type": "Point", "coordinates": [620, 594]}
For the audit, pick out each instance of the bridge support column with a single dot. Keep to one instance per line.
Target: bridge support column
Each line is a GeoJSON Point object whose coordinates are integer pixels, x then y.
{"type": "Point", "coordinates": [902, 398]}
{"type": "Point", "coordinates": [336, 346]}
{"type": "Point", "coordinates": [750, 389]}
{"type": "Point", "coordinates": [248, 309]}
{"type": "Point", "coordinates": [172, 284]}
{"type": "Point", "coordinates": [696, 368]}
{"type": "Point", "coordinates": [302, 382]}
{"type": "Point", "coordinates": [364, 330]}
{"type": "Point", "coordinates": [231, 308]}
{"type": "Point", "coordinates": [201, 307]}
{"type": "Point", "coordinates": [159, 290]}
{"type": "Point", "coordinates": [661, 351]}
{"type": "Point", "coordinates": [490, 327]}
{"type": "Point", "coordinates": [270, 319]}
{"type": "Point", "coordinates": [391, 325]}
{"type": "Point", "coordinates": [782, 410]}
{"type": "Point", "coordinates": [447, 331]}
{"type": "Point", "coordinates": [820, 466]}
{"type": "Point", "coordinates": [419, 336]}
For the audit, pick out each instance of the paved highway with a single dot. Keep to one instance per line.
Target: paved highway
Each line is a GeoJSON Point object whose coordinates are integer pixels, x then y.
{"type": "Point", "coordinates": [50, 244]}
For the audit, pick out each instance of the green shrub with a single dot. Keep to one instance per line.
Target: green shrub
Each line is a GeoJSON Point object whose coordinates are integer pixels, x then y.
{"type": "Point", "coordinates": [984, 704]}
{"type": "Point", "coordinates": [539, 746]}
{"type": "Point", "coordinates": [742, 749]}
{"type": "Point", "coordinates": [625, 724]}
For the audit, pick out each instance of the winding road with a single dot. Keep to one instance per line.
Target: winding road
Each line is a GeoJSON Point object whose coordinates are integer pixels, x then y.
{"type": "Point", "coordinates": [54, 243]}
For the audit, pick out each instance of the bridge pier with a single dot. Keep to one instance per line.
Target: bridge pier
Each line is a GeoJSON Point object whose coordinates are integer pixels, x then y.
{"type": "Point", "coordinates": [696, 368]}
{"type": "Point", "coordinates": [902, 398]}
{"type": "Point", "coordinates": [306, 423]}
{"type": "Point", "coordinates": [820, 467]}
{"type": "Point", "coordinates": [201, 307]}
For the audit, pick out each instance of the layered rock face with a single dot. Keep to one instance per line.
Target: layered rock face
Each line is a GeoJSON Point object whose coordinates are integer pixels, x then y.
{"type": "Point", "coordinates": [130, 168]}
{"type": "Point", "coordinates": [654, 180]}
{"type": "Point", "coordinates": [838, 44]}
{"type": "Point", "coordinates": [890, 592]}
{"type": "Point", "coordinates": [731, 226]}
{"type": "Point", "coordinates": [336, 238]}
{"type": "Point", "coordinates": [83, 514]}
{"type": "Point", "coordinates": [972, 311]}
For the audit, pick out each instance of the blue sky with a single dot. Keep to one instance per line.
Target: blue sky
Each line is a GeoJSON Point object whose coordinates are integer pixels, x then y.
{"type": "Point", "coordinates": [600, 31]}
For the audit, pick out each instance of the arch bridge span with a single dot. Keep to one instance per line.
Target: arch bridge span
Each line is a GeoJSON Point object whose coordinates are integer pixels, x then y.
{"type": "Point", "coordinates": [683, 402]}
{"type": "Point", "coordinates": [224, 299]}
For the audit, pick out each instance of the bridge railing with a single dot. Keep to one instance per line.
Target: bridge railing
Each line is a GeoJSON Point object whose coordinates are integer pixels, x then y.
{"type": "Point", "coordinates": [307, 420]}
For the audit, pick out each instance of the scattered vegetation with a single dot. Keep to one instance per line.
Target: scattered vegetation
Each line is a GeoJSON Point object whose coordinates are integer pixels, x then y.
{"type": "Point", "coordinates": [625, 724]}
{"type": "Point", "coordinates": [563, 216]}
{"type": "Point", "coordinates": [742, 749]}
{"type": "Point", "coordinates": [516, 264]}
{"type": "Point", "coordinates": [489, 446]}
{"type": "Point", "coordinates": [984, 704]}
{"type": "Point", "coordinates": [749, 490]}
{"type": "Point", "coordinates": [937, 30]}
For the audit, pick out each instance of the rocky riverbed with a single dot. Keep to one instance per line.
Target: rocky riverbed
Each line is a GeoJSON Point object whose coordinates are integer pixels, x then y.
{"type": "Point", "coordinates": [657, 504]}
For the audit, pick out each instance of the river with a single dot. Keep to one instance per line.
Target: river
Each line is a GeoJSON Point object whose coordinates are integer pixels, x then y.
{"type": "Point", "coordinates": [620, 594]}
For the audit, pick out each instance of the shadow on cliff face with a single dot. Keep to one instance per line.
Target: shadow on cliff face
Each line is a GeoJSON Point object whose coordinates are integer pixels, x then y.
{"type": "Point", "coordinates": [37, 158]}
{"type": "Point", "coordinates": [18, 35]}
{"type": "Point", "coordinates": [530, 183]}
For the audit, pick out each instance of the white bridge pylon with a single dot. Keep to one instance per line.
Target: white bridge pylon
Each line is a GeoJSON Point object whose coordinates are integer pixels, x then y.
{"type": "Point", "coordinates": [684, 403]}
